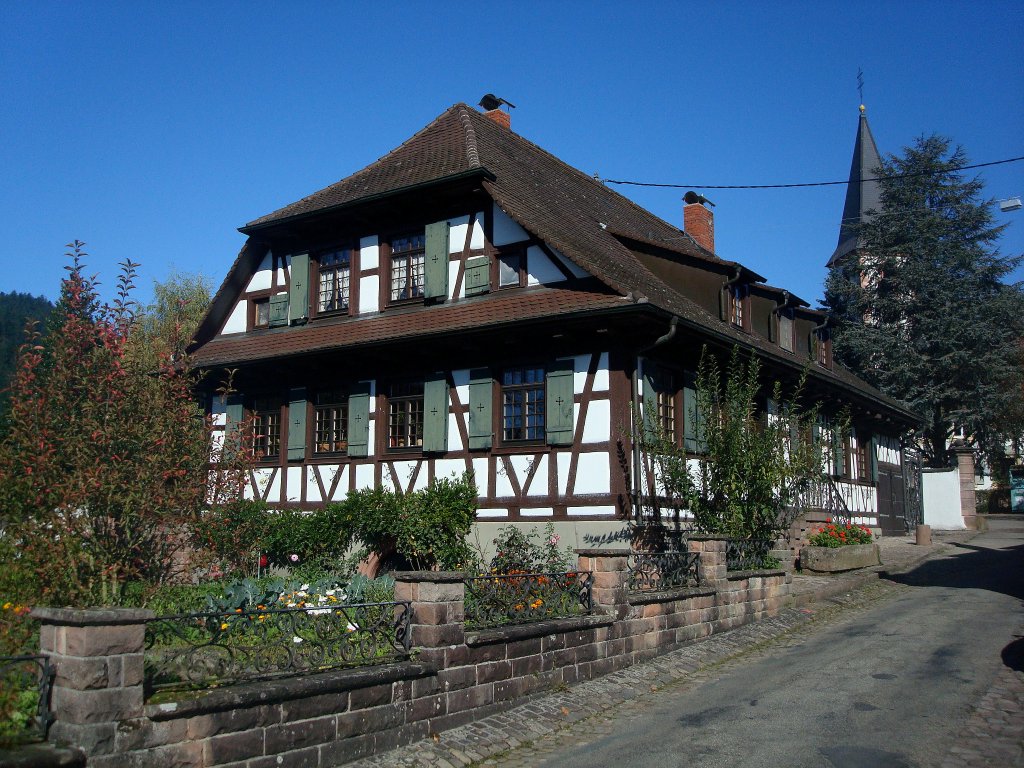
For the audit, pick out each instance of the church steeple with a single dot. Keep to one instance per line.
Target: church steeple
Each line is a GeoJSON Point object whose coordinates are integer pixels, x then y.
{"type": "Point", "coordinates": [861, 196]}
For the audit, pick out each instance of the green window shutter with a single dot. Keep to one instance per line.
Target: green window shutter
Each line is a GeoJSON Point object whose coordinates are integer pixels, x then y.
{"type": "Point", "coordinates": [478, 275]}
{"type": "Point", "coordinates": [693, 428]}
{"type": "Point", "coordinates": [838, 454]}
{"type": "Point", "coordinates": [234, 413]}
{"type": "Point", "coordinates": [359, 420]}
{"type": "Point", "coordinates": [435, 414]}
{"type": "Point", "coordinates": [558, 407]}
{"type": "Point", "coordinates": [481, 424]}
{"type": "Point", "coordinates": [299, 288]}
{"type": "Point", "coordinates": [278, 310]}
{"type": "Point", "coordinates": [297, 424]}
{"type": "Point", "coordinates": [649, 401]}
{"type": "Point", "coordinates": [435, 265]}
{"type": "Point", "coordinates": [873, 458]}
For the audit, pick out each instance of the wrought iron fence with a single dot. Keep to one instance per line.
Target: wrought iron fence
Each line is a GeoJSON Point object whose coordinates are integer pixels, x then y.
{"type": "Point", "coordinates": [823, 493]}
{"type": "Point", "coordinates": [653, 571]}
{"type": "Point", "coordinates": [749, 554]}
{"type": "Point", "coordinates": [200, 650]}
{"type": "Point", "coordinates": [25, 684]}
{"type": "Point", "coordinates": [519, 598]}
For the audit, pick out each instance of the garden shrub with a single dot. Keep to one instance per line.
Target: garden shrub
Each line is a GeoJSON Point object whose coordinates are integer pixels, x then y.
{"type": "Point", "coordinates": [420, 530]}
{"type": "Point", "coordinates": [519, 551]}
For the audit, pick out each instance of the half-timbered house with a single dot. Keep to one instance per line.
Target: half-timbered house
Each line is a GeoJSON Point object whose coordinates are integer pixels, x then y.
{"type": "Point", "coordinates": [470, 302]}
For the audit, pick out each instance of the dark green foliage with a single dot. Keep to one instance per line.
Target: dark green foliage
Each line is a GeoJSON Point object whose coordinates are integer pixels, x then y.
{"type": "Point", "coordinates": [16, 309]}
{"type": "Point", "coordinates": [922, 309]}
{"type": "Point", "coordinates": [420, 530]}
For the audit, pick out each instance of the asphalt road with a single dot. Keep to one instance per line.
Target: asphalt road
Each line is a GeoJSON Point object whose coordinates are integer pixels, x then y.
{"type": "Point", "coordinates": [885, 688]}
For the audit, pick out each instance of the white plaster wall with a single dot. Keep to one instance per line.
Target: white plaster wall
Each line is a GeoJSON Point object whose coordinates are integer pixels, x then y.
{"type": "Point", "coordinates": [477, 241]}
{"type": "Point", "coordinates": [492, 513]}
{"type": "Point", "coordinates": [457, 229]}
{"type": "Point", "coordinates": [238, 319]}
{"type": "Point", "coordinates": [369, 286]}
{"type": "Point", "coordinates": [941, 499]}
{"type": "Point", "coordinates": [507, 231]}
{"type": "Point", "coordinates": [282, 271]}
{"type": "Point", "coordinates": [453, 277]}
{"type": "Point", "coordinates": [539, 268]}
{"type": "Point", "coordinates": [888, 450]}
{"type": "Point", "coordinates": [480, 475]}
{"type": "Point", "coordinates": [608, 511]}
{"type": "Point", "coordinates": [539, 484]}
{"type": "Point", "coordinates": [597, 427]}
{"type": "Point", "coordinates": [364, 478]}
{"type": "Point", "coordinates": [261, 279]}
{"type": "Point", "coordinates": [592, 473]}
{"type": "Point", "coordinates": [449, 468]}
{"type": "Point", "coordinates": [563, 460]}
{"type": "Point", "coordinates": [536, 512]}
{"type": "Point", "coordinates": [454, 436]}
{"type": "Point", "coordinates": [575, 270]}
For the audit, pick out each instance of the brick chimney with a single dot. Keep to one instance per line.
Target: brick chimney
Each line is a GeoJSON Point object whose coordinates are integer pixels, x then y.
{"type": "Point", "coordinates": [698, 220]}
{"type": "Point", "coordinates": [501, 117]}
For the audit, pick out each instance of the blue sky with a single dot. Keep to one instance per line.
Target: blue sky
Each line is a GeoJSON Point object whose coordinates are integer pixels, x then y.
{"type": "Point", "coordinates": [153, 130]}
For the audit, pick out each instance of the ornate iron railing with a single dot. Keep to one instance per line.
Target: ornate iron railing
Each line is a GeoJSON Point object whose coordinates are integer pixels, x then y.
{"type": "Point", "coordinates": [520, 598]}
{"type": "Point", "coordinates": [26, 682]}
{"type": "Point", "coordinates": [823, 493]}
{"type": "Point", "coordinates": [654, 571]}
{"type": "Point", "coordinates": [749, 554]}
{"type": "Point", "coordinates": [201, 650]}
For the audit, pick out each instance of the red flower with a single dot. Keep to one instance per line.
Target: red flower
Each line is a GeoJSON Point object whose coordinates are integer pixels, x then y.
{"type": "Point", "coordinates": [264, 561]}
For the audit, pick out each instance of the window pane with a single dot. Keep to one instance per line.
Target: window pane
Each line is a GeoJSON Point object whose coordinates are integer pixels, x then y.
{"type": "Point", "coordinates": [522, 414]}
{"type": "Point", "coordinates": [508, 269]}
{"type": "Point", "coordinates": [405, 415]}
{"type": "Point", "coordinates": [334, 280]}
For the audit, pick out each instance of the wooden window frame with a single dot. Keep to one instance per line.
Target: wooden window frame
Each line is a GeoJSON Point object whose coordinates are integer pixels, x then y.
{"type": "Point", "coordinates": [255, 300]}
{"type": "Point", "coordinates": [267, 428]}
{"type": "Point", "coordinates": [404, 405]}
{"type": "Point", "coordinates": [408, 255]}
{"type": "Point", "coordinates": [739, 306]}
{"type": "Point", "coordinates": [823, 350]}
{"type": "Point", "coordinates": [353, 252]}
{"type": "Point", "coordinates": [333, 435]}
{"type": "Point", "coordinates": [523, 274]}
{"type": "Point", "coordinates": [539, 385]}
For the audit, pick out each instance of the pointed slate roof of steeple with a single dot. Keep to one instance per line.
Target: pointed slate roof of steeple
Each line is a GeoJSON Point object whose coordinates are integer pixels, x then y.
{"type": "Point", "coordinates": [861, 196]}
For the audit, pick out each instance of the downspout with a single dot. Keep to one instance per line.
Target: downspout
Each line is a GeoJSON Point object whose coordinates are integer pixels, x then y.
{"type": "Point", "coordinates": [673, 326]}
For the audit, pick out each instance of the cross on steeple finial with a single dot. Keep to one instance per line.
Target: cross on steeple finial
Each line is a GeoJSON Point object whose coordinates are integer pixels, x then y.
{"type": "Point", "coordinates": [860, 87]}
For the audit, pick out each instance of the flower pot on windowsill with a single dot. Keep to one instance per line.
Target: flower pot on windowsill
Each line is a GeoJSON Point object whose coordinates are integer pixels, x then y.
{"type": "Point", "coordinates": [838, 559]}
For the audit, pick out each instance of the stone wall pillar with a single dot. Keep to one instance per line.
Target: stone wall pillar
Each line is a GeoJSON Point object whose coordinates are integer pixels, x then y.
{"type": "Point", "coordinates": [713, 566]}
{"type": "Point", "coordinates": [98, 660]}
{"type": "Point", "coordinates": [438, 610]}
{"type": "Point", "coordinates": [968, 501]}
{"type": "Point", "coordinates": [609, 571]}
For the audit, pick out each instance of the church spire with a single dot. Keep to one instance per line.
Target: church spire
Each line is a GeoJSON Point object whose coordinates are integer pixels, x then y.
{"type": "Point", "coordinates": [861, 196]}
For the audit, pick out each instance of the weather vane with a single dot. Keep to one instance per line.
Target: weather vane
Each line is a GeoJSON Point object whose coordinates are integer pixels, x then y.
{"type": "Point", "coordinates": [860, 84]}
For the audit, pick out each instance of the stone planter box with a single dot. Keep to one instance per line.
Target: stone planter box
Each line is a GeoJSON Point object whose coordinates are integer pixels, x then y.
{"type": "Point", "coordinates": [836, 559]}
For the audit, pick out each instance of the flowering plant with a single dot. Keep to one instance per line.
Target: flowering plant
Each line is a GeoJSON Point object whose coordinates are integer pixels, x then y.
{"type": "Point", "coordinates": [832, 535]}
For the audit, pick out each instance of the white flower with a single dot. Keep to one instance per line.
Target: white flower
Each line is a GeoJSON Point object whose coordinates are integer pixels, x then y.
{"type": "Point", "coordinates": [296, 639]}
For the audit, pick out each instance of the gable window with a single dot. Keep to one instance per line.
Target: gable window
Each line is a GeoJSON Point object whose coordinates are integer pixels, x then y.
{"type": "Point", "coordinates": [331, 422]}
{"type": "Point", "coordinates": [738, 306]}
{"type": "Point", "coordinates": [266, 428]}
{"type": "Point", "coordinates": [407, 262]}
{"type": "Point", "coordinates": [522, 404]}
{"type": "Point", "coordinates": [261, 312]}
{"type": "Point", "coordinates": [405, 415]}
{"type": "Point", "coordinates": [786, 329]}
{"type": "Point", "coordinates": [334, 280]}
{"type": "Point", "coordinates": [666, 404]}
{"type": "Point", "coordinates": [823, 347]}
{"type": "Point", "coordinates": [511, 269]}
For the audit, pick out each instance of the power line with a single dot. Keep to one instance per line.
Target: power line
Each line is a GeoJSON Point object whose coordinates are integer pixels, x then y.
{"type": "Point", "coordinates": [806, 184]}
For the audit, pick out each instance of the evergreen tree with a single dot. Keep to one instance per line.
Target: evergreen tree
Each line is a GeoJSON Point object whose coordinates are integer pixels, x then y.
{"type": "Point", "coordinates": [16, 311]}
{"type": "Point", "coordinates": [922, 308]}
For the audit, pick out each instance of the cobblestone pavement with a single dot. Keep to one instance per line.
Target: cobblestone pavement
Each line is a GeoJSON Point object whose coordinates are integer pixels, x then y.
{"type": "Point", "coordinates": [539, 726]}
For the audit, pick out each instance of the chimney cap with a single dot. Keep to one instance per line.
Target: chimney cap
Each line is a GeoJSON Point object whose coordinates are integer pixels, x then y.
{"type": "Point", "coordinates": [691, 198]}
{"type": "Point", "coordinates": [490, 101]}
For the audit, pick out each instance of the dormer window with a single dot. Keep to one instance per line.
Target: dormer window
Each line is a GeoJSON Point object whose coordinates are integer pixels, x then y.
{"type": "Point", "coordinates": [785, 320]}
{"type": "Point", "coordinates": [407, 262]}
{"type": "Point", "coordinates": [333, 284]}
{"type": "Point", "coordinates": [739, 306]}
{"type": "Point", "coordinates": [823, 347]}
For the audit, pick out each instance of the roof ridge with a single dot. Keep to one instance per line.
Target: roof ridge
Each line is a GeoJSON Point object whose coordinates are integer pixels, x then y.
{"type": "Point", "coordinates": [472, 153]}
